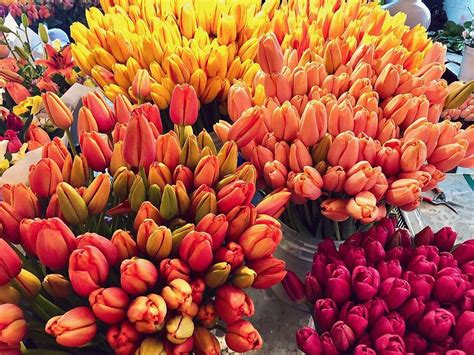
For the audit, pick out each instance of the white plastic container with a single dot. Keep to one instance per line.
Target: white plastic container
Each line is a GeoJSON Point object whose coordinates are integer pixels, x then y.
{"type": "Point", "coordinates": [417, 12]}
{"type": "Point", "coordinates": [466, 72]}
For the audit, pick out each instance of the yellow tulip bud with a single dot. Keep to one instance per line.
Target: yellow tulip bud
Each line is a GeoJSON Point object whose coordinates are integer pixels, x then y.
{"type": "Point", "coordinates": [244, 277]}
{"type": "Point", "coordinates": [320, 151]}
{"type": "Point", "coordinates": [154, 195]}
{"type": "Point", "coordinates": [217, 274]}
{"type": "Point", "coordinates": [57, 285]}
{"type": "Point", "coordinates": [179, 328]}
{"type": "Point", "coordinates": [169, 203]}
{"type": "Point", "coordinates": [204, 139]}
{"type": "Point", "coordinates": [71, 204]}
{"type": "Point", "coordinates": [226, 30]}
{"type": "Point", "coordinates": [159, 243]}
{"type": "Point", "coordinates": [178, 235]}
{"type": "Point", "coordinates": [227, 158]}
{"type": "Point", "coordinates": [97, 194]}
{"type": "Point", "coordinates": [190, 153]}
{"type": "Point", "coordinates": [151, 346]}
{"type": "Point", "coordinates": [137, 193]}
{"type": "Point", "coordinates": [9, 294]}
{"type": "Point", "coordinates": [27, 284]}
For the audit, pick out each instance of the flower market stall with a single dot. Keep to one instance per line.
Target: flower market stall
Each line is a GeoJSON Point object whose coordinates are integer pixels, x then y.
{"type": "Point", "coordinates": [217, 176]}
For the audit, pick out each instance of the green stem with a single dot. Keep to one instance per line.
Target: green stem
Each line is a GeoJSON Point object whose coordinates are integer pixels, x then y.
{"type": "Point", "coordinates": [143, 175]}
{"type": "Point", "coordinates": [9, 48]}
{"type": "Point", "coordinates": [99, 223]}
{"type": "Point", "coordinates": [336, 230]}
{"type": "Point", "coordinates": [71, 143]}
{"type": "Point", "coordinates": [47, 306]}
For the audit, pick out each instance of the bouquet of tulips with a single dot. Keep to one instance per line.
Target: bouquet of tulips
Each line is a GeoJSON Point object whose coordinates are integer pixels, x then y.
{"type": "Point", "coordinates": [464, 112]}
{"type": "Point", "coordinates": [206, 44]}
{"type": "Point", "coordinates": [345, 135]}
{"type": "Point", "coordinates": [385, 292]}
{"type": "Point", "coordinates": [147, 261]}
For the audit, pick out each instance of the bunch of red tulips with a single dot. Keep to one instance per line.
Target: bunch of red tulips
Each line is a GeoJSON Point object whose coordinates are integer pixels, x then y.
{"type": "Point", "coordinates": [384, 292]}
{"type": "Point", "coordinates": [147, 259]}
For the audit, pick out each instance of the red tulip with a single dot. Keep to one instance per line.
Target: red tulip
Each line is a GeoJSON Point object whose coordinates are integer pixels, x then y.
{"type": "Point", "coordinates": [354, 256]}
{"type": "Point", "coordinates": [444, 239]}
{"type": "Point", "coordinates": [137, 275]}
{"type": "Point", "coordinates": [421, 265]}
{"type": "Point", "coordinates": [109, 304]}
{"type": "Point", "coordinates": [342, 336]}
{"type": "Point", "coordinates": [393, 323]}
{"type": "Point", "coordinates": [96, 150]}
{"type": "Point", "coordinates": [123, 338]}
{"type": "Point", "coordinates": [10, 263]}
{"type": "Point", "coordinates": [312, 288]}
{"type": "Point", "coordinates": [74, 328]}
{"type": "Point", "coordinates": [294, 287]}
{"type": "Point", "coordinates": [147, 313]}
{"type": "Point", "coordinates": [171, 269]}
{"type": "Point", "coordinates": [363, 349]}
{"type": "Point", "coordinates": [446, 259]}
{"type": "Point", "coordinates": [196, 250]}
{"type": "Point", "coordinates": [327, 344]}
{"type": "Point", "coordinates": [88, 270]}
{"type": "Point", "coordinates": [374, 250]}
{"type": "Point", "coordinates": [241, 336]}
{"type": "Point", "coordinates": [216, 226]}
{"type": "Point", "coordinates": [232, 304]}
{"type": "Point", "coordinates": [339, 285]}
{"type": "Point", "coordinates": [356, 317]}
{"type": "Point", "coordinates": [184, 106]}
{"type": "Point", "coordinates": [139, 143]}
{"type": "Point", "coordinates": [449, 286]}
{"type": "Point", "coordinates": [391, 268]}
{"type": "Point", "coordinates": [394, 291]}
{"type": "Point", "coordinates": [325, 313]}
{"type": "Point", "coordinates": [100, 110]}
{"type": "Point", "coordinates": [376, 307]}
{"type": "Point", "coordinates": [238, 193]}
{"type": "Point", "coordinates": [415, 343]}
{"type": "Point", "coordinates": [464, 252]}
{"type": "Point", "coordinates": [231, 253]}
{"type": "Point", "coordinates": [420, 285]}
{"type": "Point", "coordinates": [13, 326]}
{"type": "Point", "coordinates": [270, 271]}
{"type": "Point", "coordinates": [464, 331]}
{"type": "Point", "coordinates": [424, 237]}
{"type": "Point", "coordinates": [44, 177]}
{"type": "Point", "coordinates": [152, 114]}
{"type": "Point", "coordinates": [390, 344]}
{"type": "Point", "coordinates": [198, 287]}
{"type": "Point", "coordinates": [103, 244]}
{"type": "Point", "coordinates": [308, 341]}
{"type": "Point", "coordinates": [365, 282]}
{"type": "Point", "coordinates": [436, 324]}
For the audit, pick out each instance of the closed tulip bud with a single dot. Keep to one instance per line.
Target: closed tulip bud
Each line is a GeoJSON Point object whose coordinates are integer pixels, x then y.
{"type": "Point", "coordinates": [217, 274]}
{"type": "Point", "coordinates": [169, 203]}
{"type": "Point", "coordinates": [97, 194]}
{"type": "Point", "coordinates": [55, 150]}
{"type": "Point", "coordinates": [361, 177]}
{"type": "Point", "coordinates": [190, 153]}
{"type": "Point", "coordinates": [207, 315]}
{"type": "Point", "coordinates": [238, 100]}
{"type": "Point", "coordinates": [82, 263]}
{"type": "Point", "coordinates": [275, 174]}
{"type": "Point", "coordinates": [37, 137]}
{"type": "Point", "coordinates": [122, 182]}
{"type": "Point", "coordinates": [96, 150]}
{"type": "Point", "coordinates": [248, 126]}
{"type": "Point", "coordinates": [177, 293]}
{"type": "Point", "coordinates": [75, 171]}
{"type": "Point", "coordinates": [227, 159]}
{"type": "Point", "coordinates": [8, 294]}
{"type": "Point", "coordinates": [73, 207]}
{"type": "Point", "coordinates": [185, 175]}
{"type": "Point", "coordinates": [179, 329]}
{"type": "Point", "coordinates": [388, 159]}
{"type": "Point", "coordinates": [146, 212]}
{"type": "Point", "coordinates": [109, 304]}
{"type": "Point", "coordinates": [205, 342]}
{"type": "Point", "coordinates": [363, 207]}
{"type": "Point", "coordinates": [117, 159]}
{"type": "Point", "coordinates": [236, 193]}
{"type": "Point", "coordinates": [232, 304]}
{"type": "Point", "coordinates": [141, 85]}
{"type": "Point", "coordinates": [57, 110]}
{"type": "Point", "coordinates": [123, 338]}
{"type": "Point", "coordinates": [171, 269]}
{"type": "Point", "coordinates": [270, 271]}
{"type": "Point", "coordinates": [344, 150]}
{"type": "Point", "coordinates": [285, 122]}
{"type": "Point", "coordinates": [27, 284]}
{"type": "Point", "coordinates": [447, 157]}
{"type": "Point", "coordinates": [196, 250]}
{"type": "Point", "coordinates": [13, 324]}
{"type": "Point", "coordinates": [86, 121]}
{"type": "Point", "coordinates": [10, 263]}
{"type": "Point", "coordinates": [308, 184]}
{"type": "Point", "coordinates": [334, 179]}
{"type": "Point", "coordinates": [126, 246]}
{"type": "Point", "coordinates": [405, 193]}
{"type": "Point", "coordinates": [413, 155]}
{"type": "Point", "coordinates": [103, 244]}
{"type": "Point", "coordinates": [243, 277]}
{"type": "Point", "coordinates": [203, 202]}
{"type": "Point", "coordinates": [259, 241]}
{"type": "Point", "coordinates": [178, 234]}
{"type": "Point", "coordinates": [184, 106]}
{"type": "Point", "coordinates": [335, 209]}
{"type": "Point", "coordinates": [44, 177]}
{"type": "Point", "coordinates": [294, 287]}
{"type": "Point", "coordinates": [57, 285]}
{"type": "Point", "coordinates": [168, 150]}
{"type": "Point", "coordinates": [137, 193]}
{"type": "Point", "coordinates": [207, 171]}
{"type": "Point", "coordinates": [246, 172]}
{"type": "Point", "coordinates": [241, 336]}
{"type": "Point", "coordinates": [22, 200]}
{"type": "Point", "coordinates": [313, 123]}
{"type": "Point", "coordinates": [147, 313]}
{"type": "Point", "coordinates": [159, 243]}
{"type": "Point", "coordinates": [122, 108]}
{"type": "Point", "coordinates": [270, 54]}
{"type": "Point", "coordinates": [101, 112]}
{"type": "Point", "coordinates": [137, 275]}
{"type": "Point", "coordinates": [150, 346]}
{"type": "Point", "coordinates": [136, 152]}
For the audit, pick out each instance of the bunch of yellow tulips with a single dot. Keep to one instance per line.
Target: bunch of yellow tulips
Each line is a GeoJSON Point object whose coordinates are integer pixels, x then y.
{"type": "Point", "coordinates": [205, 43]}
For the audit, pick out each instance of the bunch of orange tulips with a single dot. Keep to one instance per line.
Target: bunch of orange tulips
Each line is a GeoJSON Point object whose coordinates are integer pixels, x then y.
{"type": "Point", "coordinates": [149, 258]}
{"type": "Point", "coordinates": [352, 133]}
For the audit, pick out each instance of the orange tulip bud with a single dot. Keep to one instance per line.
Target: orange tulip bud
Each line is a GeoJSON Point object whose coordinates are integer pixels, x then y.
{"type": "Point", "coordinates": [388, 80]}
{"type": "Point", "coordinates": [275, 174]}
{"type": "Point", "coordinates": [425, 131]}
{"type": "Point", "coordinates": [334, 179]}
{"type": "Point", "coordinates": [313, 123]}
{"type": "Point", "coordinates": [139, 143]}
{"type": "Point", "coordinates": [332, 56]}
{"type": "Point", "coordinates": [270, 55]}
{"type": "Point", "coordinates": [413, 155]}
{"type": "Point", "coordinates": [44, 177]}
{"type": "Point", "coordinates": [447, 157]}
{"type": "Point", "coordinates": [299, 156]}
{"type": "Point", "coordinates": [260, 240]}
{"type": "Point", "coordinates": [205, 342]}
{"type": "Point", "coordinates": [340, 119]}
{"type": "Point", "coordinates": [75, 172]}
{"type": "Point", "coordinates": [86, 121]}
{"type": "Point", "coordinates": [148, 313]}
{"type": "Point", "coordinates": [335, 209]}
{"type": "Point", "coordinates": [141, 85]}
{"type": "Point", "coordinates": [146, 211]}
{"type": "Point", "coordinates": [285, 121]}
{"type": "Point", "coordinates": [96, 150]}
{"type": "Point", "coordinates": [207, 171]}
{"type": "Point", "coordinates": [405, 193]}
{"type": "Point", "coordinates": [246, 128]}
{"type": "Point", "coordinates": [277, 86]}
{"type": "Point", "coordinates": [344, 150]}
{"type": "Point", "coordinates": [168, 150]}
{"type": "Point", "coordinates": [123, 108]}
{"type": "Point", "coordinates": [126, 246]}
{"type": "Point", "coordinates": [117, 160]}
{"type": "Point", "coordinates": [361, 177]}
{"type": "Point", "coordinates": [97, 194]}
{"type": "Point", "coordinates": [387, 129]}
{"type": "Point", "coordinates": [37, 137]}
{"type": "Point", "coordinates": [238, 100]}
{"type": "Point", "coordinates": [308, 184]}
{"type": "Point", "coordinates": [270, 271]}
{"type": "Point", "coordinates": [177, 293]}
{"type": "Point", "coordinates": [363, 207]}
{"type": "Point", "coordinates": [55, 150]}
{"type": "Point", "coordinates": [184, 106]}
{"type": "Point", "coordinates": [160, 175]}
{"type": "Point", "coordinates": [57, 110]}
{"type": "Point", "coordinates": [103, 115]}
{"type": "Point", "coordinates": [388, 159]}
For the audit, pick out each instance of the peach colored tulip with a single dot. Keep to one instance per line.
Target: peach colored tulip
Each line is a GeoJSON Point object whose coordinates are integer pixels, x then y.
{"type": "Point", "coordinates": [434, 112]}
{"type": "Point", "coordinates": [55, 150]}
{"type": "Point", "coordinates": [238, 100]}
{"type": "Point", "coordinates": [184, 106]}
{"type": "Point", "coordinates": [137, 275]}
{"type": "Point", "coordinates": [447, 157]}
{"type": "Point", "coordinates": [340, 119]}
{"type": "Point", "coordinates": [334, 209]}
{"type": "Point", "coordinates": [122, 108]}
{"type": "Point", "coordinates": [261, 156]}
{"type": "Point", "coordinates": [332, 56]}
{"type": "Point", "coordinates": [86, 121]}
{"type": "Point", "coordinates": [363, 207]}
{"type": "Point", "coordinates": [285, 121]}
{"type": "Point", "coordinates": [425, 131]}
{"type": "Point", "coordinates": [419, 109]}
{"type": "Point", "coordinates": [361, 177]}
{"type": "Point", "coordinates": [370, 101]}
{"type": "Point", "coordinates": [299, 102]}
{"type": "Point", "coordinates": [423, 178]}
{"type": "Point", "coordinates": [468, 135]}
{"type": "Point", "coordinates": [363, 71]}
{"type": "Point", "coordinates": [388, 80]}
{"type": "Point", "coordinates": [437, 91]}
{"type": "Point", "coordinates": [431, 71]}
{"type": "Point", "coordinates": [316, 73]}
{"type": "Point", "coordinates": [436, 176]}
{"type": "Point", "coordinates": [13, 327]}
{"type": "Point", "coordinates": [394, 55]}
{"type": "Point", "coordinates": [368, 148]}
{"type": "Point", "coordinates": [103, 115]}
{"type": "Point", "coordinates": [447, 131]}
{"type": "Point", "coordinates": [313, 123]}
{"type": "Point", "coordinates": [404, 193]}
{"type": "Point", "coordinates": [269, 141]}
{"type": "Point", "coordinates": [359, 87]}
{"type": "Point", "coordinates": [363, 54]}
{"type": "Point", "coordinates": [248, 126]}
{"type": "Point", "coordinates": [148, 313]}
{"type": "Point", "coordinates": [282, 153]}
{"type": "Point", "coordinates": [270, 55]}
{"type": "Point", "coordinates": [344, 150]}
{"type": "Point", "coordinates": [275, 174]}
{"type": "Point", "coordinates": [275, 203]}
{"type": "Point", "coordinates": [397, 108]}
{"type": "Point", "coordinates": [380, 188]}
{"type": "Point", "coordinates": [299, 81]}
{"type": "Point", "coordinates": [277, 86]}
{"type": "Point", "coordinates": [436, 54]}
{"type": "Point", "coordinates": [57, 110]}
{"type": "Point", "coordinates": [413, 155]}
{"type": "Point", "coordinates": [141, 85]}
{"type": "Point", "coordinates": [387, 129]}
{"type": "Point", "coordinates": [44, 177]}
{"type": "Point", "coordinates": [307, 184]}
{"type": "Point", "coordinates": [410, 84]}
{"type": "Point", "coordinates": [299, 156]}
{"type": "Point", "coordinates": [125, 244]}
{"type": "Point", "coordinates": [74, 328]}
{"type": "Point", "coordinates": [336, 84]}
{"type": "Point", "coordinates": [241, 336]}
{"type": "Point", "coordinates": [206, 171]}
{"type": "Point", "coordinates": [388, 159]}
{"type": "Point", "coordinates": [334, 179]}
{"type": "Point", "coordinates": [168, 150]}
{"type": "Point", "coordinates": [96, 150]}
{"type": "Point", "coordinates": [221, 129]}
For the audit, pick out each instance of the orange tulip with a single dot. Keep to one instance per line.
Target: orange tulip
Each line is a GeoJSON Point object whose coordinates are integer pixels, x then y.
{"type": "Point", "coordinates": [363, 207]}
{"type": "Point", "coordinates": [126, 246]}
{"type": "Point", "coordinates": [17, 92]}
{"type": "Point", "coordinates": [447, 157]}
{"type": "Point", "coordinates": [313, 124]}
{"type": "Point", "coordinates": [103, 115]}
{"type": "Point", "coordinates": [332, 56]}
{"type": "Point", "coordinates": [168, 150]}
{"type": "Point", "coordinates": [13, 325]}
{"type": "Point", "coordinates": [184, 106]}
{"type": "Point", "coordinates": [361, 177]}
{"type": "Point", "coordinates": [387, 129]}
{"type": "Point", "coordinates": [9, 223]}
{"type": "Point", "coordinates": [410, 84]}
{"type": "Point", "coordinates": [260, 156]}
{"type": "Point", "coordinates": [405, 193]}
{"type": "Point", "coordinates": [44, 177]}
{"type": "Point", "coordinates": [270, 54]}
{"type": "Point", "coordinates": [260, 241]}
{"type": "Point", "coordinates": [308, 184]}
{"type": "Point", "coordinates": [299, 156]}
{"type": "Point", "coordinates": [423, 178]}
{"type": "Point", "coordinates": [97, 193]}
{"type": "Point", "coordinates": [57, 110]}
{"type": "Point", "coordinates": [185, 175]}
{"type": "Point", "coordinates": [436, 176]}
{"type": "Point", "coordinates": [380, 188]}
{"type": "Point", "coordinates": [285, 121]}
{"type": "Point", "coordinates": [366, 121]}
{"type": "Point", "coordinates": [363, 54]}
{"type": "Point", "coordinates": [141, 85]}
{"type": "Point", "coordinates": [246, 128]}
{"type": "Point", "coordinates": [206, 171]}
{"type": "Point", "coordinates": [468, 135]}
{"type": "Point", "coordinates": [413, 155]}
{"type": "Point", "coordinates": [397, 108]}
{"type": "Point", "coordinates": [122, 108]}
{"type": "Point", "coordinates": [388, 159]}
{"type": "Point", "coordinates": [24, 201]}
{"type": "Point", "coordinates": [368, 149]}
{"type": "Point", "coordinates": [238, 100]}
{"type": "Point", "coordinates": [436, 54]}
{"type": "Point", "coordinates": [139, 144]}
{"type": "Point", "coordinates": [55, 150]}
{"type": "Point", "coordinates": [96, 150]}
{"type": "Point", "coordinates": [275, 203]}
{"type": "Point", "coordinates": [388, 80]}
{"type": "Point", "coordinates": [241, 336]}
{"type": "Point", "coordinates": [334, 179]}
{"type": "Point", "coordinates": [160, 175]}
{"type": "Point", "coordinates": [270, 271]}
{"type": "Point", "coordinates": [425, 131]}
{"type": "Point", "coordinates": [37, 137]}
{"type": "Point", "coordinates": [275, 174]}
{"type": "Point", "coordinates": [277, 86]}
{"type": "Point", "coordinates": [447, 131]}
{"type": "Point", "coordinates": [86, 121]}
{"type": "Point", "coordinates": [334, 209]}
{"type": "Point", "coordinates": [437, 91]}
{"type": "Point", "coordinates": [431, 71]}
{"type": "Point", "coordinates": [282, 153]}
{"type": "Point", "coordinates": [299, 81]}
{"type": "Point", "coordinates": [344, 150]}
